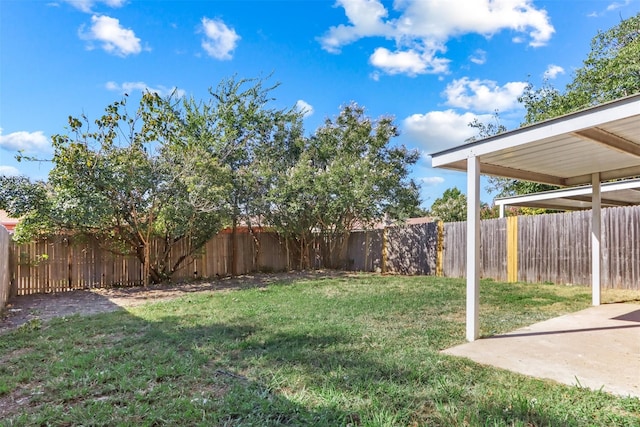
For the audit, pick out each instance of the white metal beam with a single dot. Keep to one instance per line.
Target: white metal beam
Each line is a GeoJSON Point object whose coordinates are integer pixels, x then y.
{"type": "Point", "coordinates": [473, 248]}
{"type": "Point", "coordinates": [596, 255]}
{"type": "Point", "coordinates": [610, 140]}
{"type": "Point", "coordinates": [582, 193]}
{"type": "Point", "coordinates": [495, 170]}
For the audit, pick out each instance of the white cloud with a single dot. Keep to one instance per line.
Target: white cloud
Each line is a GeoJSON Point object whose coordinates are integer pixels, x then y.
{"type": "Point", "coordinates": [618, 5]}
{"type": "Point", "coordinates": [553, 71]}
{"type": "Point", "coordinates": [431, 181]}
{"type": "Point", "coordinates": [483, 95]}
{"type": "Point", "coordinates": [424, 26]}
{"type": "Point", "coordinates": [87, 5]}
{"type": "Point", "coordinates": [410, 62]}
{"type": "Point", "coordinates": [444, 19]}
{"type": "Point", "coordinates": [8, 171]}
{"type": "Point", "coordinates": [30, 142]}
{"type": "Point", "coordinates": [128, 87]}
{"type": "Point", "coordinates": [610, 7]}
{"type": "Point", "coordinates": [366, 17]}
{"type": "Point", "coordinates": [304, 107]}
{"type": "Point", "coordinates": [479, 57]}
{"type": "Point", "coordinates": [439, 130]}
{"type": "Point", "coordinates": [220, 40]}
{"type": "Point", "coordinates": [114, 38]}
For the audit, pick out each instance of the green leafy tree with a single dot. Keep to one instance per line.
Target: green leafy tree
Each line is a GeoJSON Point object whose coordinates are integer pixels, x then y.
{"type": "Point", "coordinates": [293, 201]}
{"type": "Point", "coordinates": [178, 170]}
{"type": "Point", "coordinates": [130, 181]}
{"type": "Point", "coordinates": [346, 175]}
{"type": "Point", "coordinates": [247, 129]}
{"type": "Point", "coordinates": [360, 178]}
{"type": "Point", "coordinates": [450, 207]}
{"type": "Point", "coordinates": [24, 199]}
{"type": "Point", "coordinates": [610, 71]}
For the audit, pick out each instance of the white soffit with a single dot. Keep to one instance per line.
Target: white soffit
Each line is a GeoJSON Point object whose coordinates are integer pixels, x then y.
{"type": "Point", "coordinates": [563, 151]}
{"type": "Point", "coordinates": [619, 193]}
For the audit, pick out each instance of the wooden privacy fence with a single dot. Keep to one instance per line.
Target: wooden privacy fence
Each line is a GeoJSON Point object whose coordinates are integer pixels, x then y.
{"type": "Point", "coordinates": [59, 263]}
{"type": "Point", "coordinates": [552, 248]}
{"type": "Point", "coordinates": [400, 250]}
{"type": "Point", "coordinates": [493, 249]}
{"type": "Point", "coordinates": [544, 248]}
{"type": "Point", "coordinates": [5, 277]}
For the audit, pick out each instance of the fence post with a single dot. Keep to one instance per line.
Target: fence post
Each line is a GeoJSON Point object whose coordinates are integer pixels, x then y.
{"type": "Point", "coordinates": [512, 249]}
{"type": "Point", "coordinates": [440, 250]}
{"type": "Point", "coordinates": [366, 250]}
{"type": "Point", "coordinates": [383, 267]}
{"type": "Point", "coordinates": [5, 267]}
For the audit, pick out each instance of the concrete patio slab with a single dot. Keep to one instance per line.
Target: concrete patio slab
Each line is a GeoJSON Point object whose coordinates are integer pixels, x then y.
{"type": "Point", "coordinates": [598, 348]}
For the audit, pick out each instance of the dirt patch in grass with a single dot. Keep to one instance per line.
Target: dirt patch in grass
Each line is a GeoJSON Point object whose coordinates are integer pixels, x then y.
{"type": "Point", "coordinates": [16, 353]}
{"type": "Point", "coordinates": [43, 307]}
{"type": "Point", "coordinates": [15, 402]}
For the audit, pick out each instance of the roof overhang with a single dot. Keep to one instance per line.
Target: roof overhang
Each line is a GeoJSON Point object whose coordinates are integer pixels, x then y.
{"type": "Point", "coordinates": [564, 151]}
{"type": "Point", "coordinates": [614, 194]}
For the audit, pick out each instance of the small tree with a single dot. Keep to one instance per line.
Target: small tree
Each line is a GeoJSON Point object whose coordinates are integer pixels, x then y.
{"type": "Point", "coordinates": [346, 175]}
{"type": "Point", "coordinates": [359, 177]}
{"type": "Point", "coordinates": [294, 206]}
{"type": "Point", "coordinates": [450, 207]}
{"type": "Point", "coordinates": [244, 127]}
{"type": "Point", "coordinates": [133, 180]}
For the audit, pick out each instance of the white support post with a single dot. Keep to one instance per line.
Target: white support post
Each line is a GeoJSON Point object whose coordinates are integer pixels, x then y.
{"type": "Point", "coordinates": [501, 210]}
{"type": "Point", "coordinates": [473, 248]}
{"type": "Point", "coordinates": [596, 227]}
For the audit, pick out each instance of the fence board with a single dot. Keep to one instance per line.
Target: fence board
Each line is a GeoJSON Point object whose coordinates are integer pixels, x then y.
{"type": "Point", "coordinates": [621, 247]}
{"type": "Point", "coordinates": [61, 263]}
{"type": "Point", "coordinates": [455, 249]}
{"type": "Point", "coordinates": [365, 250]}
{"type": "Point", "coordinates": [555, 248]}
{"type": "Point", "coordinates": [412, 249]}
{"type": "Point", "coordinates": [493, 249]}
{"type": "Point", "coordinates": [5, 277]}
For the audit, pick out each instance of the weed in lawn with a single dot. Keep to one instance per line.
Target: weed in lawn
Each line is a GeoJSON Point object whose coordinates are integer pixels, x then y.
{"type": "Point", "coordinates": [32, 325]}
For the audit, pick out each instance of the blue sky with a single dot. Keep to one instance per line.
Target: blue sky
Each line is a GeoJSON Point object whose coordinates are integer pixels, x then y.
{"type": "Point", "coordinates": [434, 65]}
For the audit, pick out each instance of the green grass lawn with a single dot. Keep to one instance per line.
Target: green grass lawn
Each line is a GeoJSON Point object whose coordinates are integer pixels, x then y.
{"type": "Point", "coordinates": [353, 350]}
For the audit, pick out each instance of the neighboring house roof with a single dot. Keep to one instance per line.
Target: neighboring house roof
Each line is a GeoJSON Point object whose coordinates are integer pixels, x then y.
{"type": "Point", "coordinates": [387, 223]}
{"type": "Point", "coordinates": [7, 221]}
{"type": "Point", "coordinates": [420, 220]}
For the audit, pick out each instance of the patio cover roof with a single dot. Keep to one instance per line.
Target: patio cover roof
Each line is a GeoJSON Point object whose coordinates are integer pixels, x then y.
{"type": "Point", "coordinates": [587, 147]}
{"type": "Point", "coordinates": [564, 151]}
{"type": "Point", "coordinates": [618, 193]}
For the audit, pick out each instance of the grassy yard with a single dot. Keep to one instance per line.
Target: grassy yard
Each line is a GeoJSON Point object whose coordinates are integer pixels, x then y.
{"type": "Point", "coordinates": [353, 350]}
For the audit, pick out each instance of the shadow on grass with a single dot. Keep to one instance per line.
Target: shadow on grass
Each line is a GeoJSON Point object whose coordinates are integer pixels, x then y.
{"type": "Point", "coordinates": [326, 366]}
{"type": "Point", "coordinates": [44, 307]}
{"type": "Point", "coordinates": [120, 368]}
{"type": "Point", "coordinates": [245, 281]}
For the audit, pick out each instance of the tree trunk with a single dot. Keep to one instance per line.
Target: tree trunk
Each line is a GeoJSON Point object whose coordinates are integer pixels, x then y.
{"type": "Point", "coordinates": [286, 246]}
{"type": "Point", "coordinates": [256, 252]}
{"type": "Point", "coordinates": [234, 247]}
